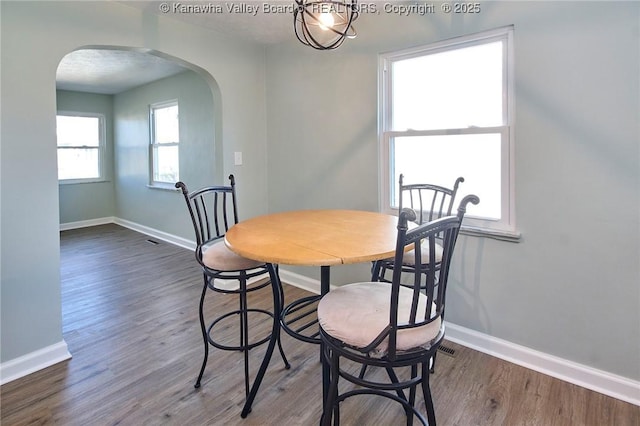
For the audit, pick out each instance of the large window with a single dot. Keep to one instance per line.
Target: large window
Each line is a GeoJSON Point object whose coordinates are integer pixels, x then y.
{"type": "Point", "coordinates": [80, 147]}
{"type": "Point", "coordinates": [165, 138]}
{"type": "Point", "coordinates": [447, 111]}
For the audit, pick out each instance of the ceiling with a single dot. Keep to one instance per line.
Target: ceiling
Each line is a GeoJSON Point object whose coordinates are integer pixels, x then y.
{"type": "Point", "coordinates": [109, 71]}
{"type": "Point", "coordinates": [250, 20]}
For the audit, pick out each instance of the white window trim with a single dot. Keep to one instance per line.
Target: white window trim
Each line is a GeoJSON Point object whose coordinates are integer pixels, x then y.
{"type": "Point", "coordinates": [154, 184]}
{"type": "Point", "coordinates": [101, 147]}
{"type": "Point", "coordinates": [505, 229]}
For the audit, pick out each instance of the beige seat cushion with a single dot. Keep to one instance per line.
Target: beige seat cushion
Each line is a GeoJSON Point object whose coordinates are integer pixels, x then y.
{"type": "Point", "coordinates": [218, 256]}
{"type": "Point", "coordinates": [357, 313]}
{"type": "Point", "coordinates": [409, 257]}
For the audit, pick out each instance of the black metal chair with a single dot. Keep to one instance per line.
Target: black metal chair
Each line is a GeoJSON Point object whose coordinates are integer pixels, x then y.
{"type": "Point", "coordinates": [213, 210]}
{"type": "Point", "coordinates": [430, 202]}
{"type": "Point", "coordinates": [392, 326]}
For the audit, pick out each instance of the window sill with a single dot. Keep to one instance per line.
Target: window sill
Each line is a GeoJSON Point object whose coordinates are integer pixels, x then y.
{"type": "Point", "coordinates": [81, 181]}
{"type": "Point", "coordinates": [509, 236]}
{"type": "Point", "coordinates": [163, 187]}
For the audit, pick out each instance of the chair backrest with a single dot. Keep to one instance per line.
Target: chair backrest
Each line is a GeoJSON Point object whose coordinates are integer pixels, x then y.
{"type": "Point", "coordinates": [429, 201]}
{"type": "Point", "coordinates": [213, 210]}
{"type": "Point", "coordinates": [433, 283]}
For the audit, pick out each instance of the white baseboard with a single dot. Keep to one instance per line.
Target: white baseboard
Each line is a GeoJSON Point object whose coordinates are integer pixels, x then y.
{"type": "Point", "coordinates": [590, 378]}
{"type": "Point", "coordinates": [300, 281]}
{"type": "Point", "coordinates": [152, 232]}
{"type": "Point", "coordinates": [600, 381]}
{"type": "Point", "coordinates": [587, 377]}
{"type": "Point", "coordinates": [33, 361]}
{"type": "Point", "coordinates": [161, 235]}
{"type": "Point", "coordinates": [87, 223]}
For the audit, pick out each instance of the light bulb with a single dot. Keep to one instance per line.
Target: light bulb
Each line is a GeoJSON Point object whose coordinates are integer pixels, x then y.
{"type": "Point", "coordinates": [326, 20]}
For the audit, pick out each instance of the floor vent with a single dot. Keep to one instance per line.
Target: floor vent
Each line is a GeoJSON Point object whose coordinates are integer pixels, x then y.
{"type": "Point", "coordinates": [155, 243]}
{"type": "Point", "coordinates": [447, 350]}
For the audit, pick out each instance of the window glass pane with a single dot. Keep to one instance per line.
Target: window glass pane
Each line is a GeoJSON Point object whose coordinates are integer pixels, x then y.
{"type": "Point", "coordinates": [165, 166]}
{"type": "Point", "coordinates": [166, 124]}
{"type": "Point", "coordinates": [78, 163]}
{"type": "Point", "coordinates": [441, 160]}
{"type": "Point", "coordinates": [78, 131]}
{"type": "Point", "coordinates": [458, 88]}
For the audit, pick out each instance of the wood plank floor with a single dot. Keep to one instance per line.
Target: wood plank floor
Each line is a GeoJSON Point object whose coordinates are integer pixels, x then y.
{"type": "Point", "coordinates": [130, 321]}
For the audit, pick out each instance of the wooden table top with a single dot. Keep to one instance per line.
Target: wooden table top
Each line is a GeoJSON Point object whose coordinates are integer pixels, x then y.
{"type": "Point", "coordinates": [315, 237]}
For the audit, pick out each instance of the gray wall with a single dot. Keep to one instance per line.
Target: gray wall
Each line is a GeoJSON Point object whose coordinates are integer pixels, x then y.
{"type": "Point", "coordinates": [570, 288]}
{"type": "Point", "coordinates": [93, 200]}
{"type": "Point", "coordinates": [162, 209]}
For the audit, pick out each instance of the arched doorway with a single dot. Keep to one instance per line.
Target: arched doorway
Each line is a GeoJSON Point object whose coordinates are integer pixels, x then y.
{"type": "Point", "coordinates": [121, 84]}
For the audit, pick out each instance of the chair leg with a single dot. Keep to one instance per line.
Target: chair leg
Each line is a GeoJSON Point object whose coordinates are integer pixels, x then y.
{"type": "Point", "coordinates": [394, 379]}
{"type": "Point", "coordinates": [284, 358]}
{"type": "Point", "coordinates": [275, 334]}
{"type": "Point", "coordinates": [426, 390]}
{"type": "Point", "coordinates": [412, 391]}
{"type": "Point", "coordinates": [278, 287]}
{"type": "Point", "coordinates": [278, 301]}
{"type": "Point", "coordinates": [412, 395]}
{"type": "Point", "coordinates": [432, 361]}
{"type": "Point", "coordinates": [376, 269]}
{"type": "Point", "coordinates": [330, 406]}
{"type": "Point", "coordinates": [204, 333]}
{"type": "Point", "coordinates": [363, 371]}
{"type": "Point", "coordinates": [244, 332]}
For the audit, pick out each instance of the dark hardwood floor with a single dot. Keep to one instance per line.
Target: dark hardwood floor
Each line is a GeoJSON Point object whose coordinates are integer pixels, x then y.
{"type": "Point", "coordinates": [130, 321]}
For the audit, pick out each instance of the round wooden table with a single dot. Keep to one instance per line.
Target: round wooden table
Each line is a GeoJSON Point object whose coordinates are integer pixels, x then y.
{"type": "Point", "coordinates": [313, 238]}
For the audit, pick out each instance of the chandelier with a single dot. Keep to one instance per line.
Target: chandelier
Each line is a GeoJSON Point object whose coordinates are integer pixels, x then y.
{"type": "Point", "coordinates": [324, 24]}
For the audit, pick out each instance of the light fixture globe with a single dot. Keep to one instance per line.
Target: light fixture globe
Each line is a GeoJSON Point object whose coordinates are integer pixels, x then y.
{"type": "Point", "coordinates": [324, 24]}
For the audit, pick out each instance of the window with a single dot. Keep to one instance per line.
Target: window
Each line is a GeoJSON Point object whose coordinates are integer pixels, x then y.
{"type": "Point", "coordinates": [447, 111]}
{"type": "Point", "coordinates": [80, 147]}
{"type": "Point", "coordinates": [165, 137]}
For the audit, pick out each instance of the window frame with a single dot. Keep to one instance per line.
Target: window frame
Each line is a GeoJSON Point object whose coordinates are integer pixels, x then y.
{"type": "Point", "coordinates": [152, 144]}
{"type": "Point", "coordinates": [101, 148]}
{"type": "Point", "coordinates": [505, 227]}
